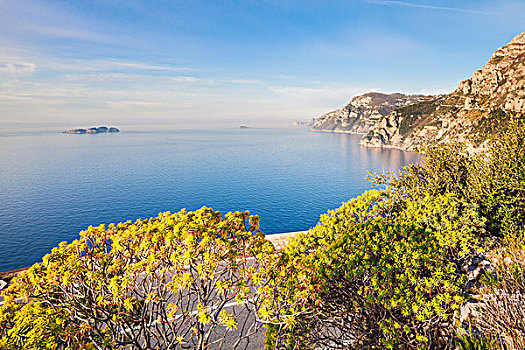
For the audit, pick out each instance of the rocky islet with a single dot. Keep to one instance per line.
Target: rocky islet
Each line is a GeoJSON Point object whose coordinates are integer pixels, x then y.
{"type": "Point", "coordinates": [93, 130]}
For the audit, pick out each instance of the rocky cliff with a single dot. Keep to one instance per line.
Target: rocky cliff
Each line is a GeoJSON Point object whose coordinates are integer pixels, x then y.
{"type": "Point", "coordinates": [93, 130]}
{"type": "Point", "coordinates": [481, 106]}
{"type": "Point", "coordinates": [363, 111]}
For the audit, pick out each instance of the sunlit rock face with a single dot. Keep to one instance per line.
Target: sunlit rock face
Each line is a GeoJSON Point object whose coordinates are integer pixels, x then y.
{"type": "Point", "coordinates": [481, 106]}
{"type": "Point", "coordinates": [363, 111]}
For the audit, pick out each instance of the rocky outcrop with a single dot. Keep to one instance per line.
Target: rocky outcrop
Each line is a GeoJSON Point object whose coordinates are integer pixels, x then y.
{"type": "Point", "coordinates": [481, 106]}
{"type": "Point", "coordinates": [94, 130]}
{"type": "Point", "coordinates": [309, 122]}
{"type": "Point", "coordinates": [362, 112]}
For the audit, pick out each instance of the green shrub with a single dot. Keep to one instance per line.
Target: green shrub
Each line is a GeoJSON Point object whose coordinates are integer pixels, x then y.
{"type": "Point", "coordinates": [498, 181]}
{"type": "Point", "coordinates": [472, 341]}
{"type": "Point", "coordinates": [444, 169]}
{"type": "Point", "coordinates": [367, 276]}
{"type": "Point", "coordinates": [291, 285]}
{"type": "Point", "coordinates": [164, 280]}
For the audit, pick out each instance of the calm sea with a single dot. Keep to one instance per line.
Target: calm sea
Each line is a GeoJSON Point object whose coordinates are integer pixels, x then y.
{"type": "Point", "coordinates": [53, 185]}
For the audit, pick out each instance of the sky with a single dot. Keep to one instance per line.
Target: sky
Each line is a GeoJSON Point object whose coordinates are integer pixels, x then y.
{"type": "Point", "coordinates": [219, 62]}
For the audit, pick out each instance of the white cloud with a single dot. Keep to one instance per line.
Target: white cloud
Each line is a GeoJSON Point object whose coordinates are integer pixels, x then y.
{"type": "Point", "coordinates": [195, 80]}
{"type": "Point", "coordinates": [108, 65]}
{"type": "Point", "coordinates": [101, 77]}
{"type": "Point", "coordinates": [137, 103]}
{"type": "Point", "coordinates": [26, 99]}
{"type": "Point", "coordinates": [17, 68]}
{"type": "Point", "coordinates": [146, 66]}
{"type": "Point", "coordinates": [318, 94]}
{"type": "Point", "coordinates": [429, 7]}
{"type": "Point", "coordinates": [242, 81]}
{"type": "Point", "coordinates": [9, 98]}
{"type": "Point", "coordinates": [189, 80]}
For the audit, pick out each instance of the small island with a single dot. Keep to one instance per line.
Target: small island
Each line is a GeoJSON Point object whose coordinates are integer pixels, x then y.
{"type": "Point", "coordinates": [94, 130]}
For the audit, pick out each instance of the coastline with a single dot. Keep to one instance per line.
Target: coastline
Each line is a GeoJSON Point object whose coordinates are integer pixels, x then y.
{"type": "Point", "coordinates": [339, 131]}
{"type": "Point", "coordinates": [362, 133]}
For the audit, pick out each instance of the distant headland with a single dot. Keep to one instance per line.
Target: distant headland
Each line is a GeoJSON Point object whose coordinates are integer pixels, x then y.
{"type": "Point", "coordinates": [94, 130]}
{"type": "Point", "coordinates": [481, 107]}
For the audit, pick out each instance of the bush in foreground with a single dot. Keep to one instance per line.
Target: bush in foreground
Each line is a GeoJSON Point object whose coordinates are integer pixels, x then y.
{"type": "Point", "coordinates": [365, 277]}
{"type": "Point", "coordinates": [498, 181]}
{"type": "Point", "coordinates": [501, 314]}
{"type": "Point", "coordinates": [354, 293]}
{"type": "Point", "coordinates": [164, 283]}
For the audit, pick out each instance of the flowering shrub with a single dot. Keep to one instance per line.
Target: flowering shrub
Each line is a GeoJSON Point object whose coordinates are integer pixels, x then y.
{"type": "Point", "coordinates": [366, 276]}
{"type": "Point", "coordinates": [291, 285]}
{"type": "Point", "coordinates": [177, 280]}
{"type": "Point", "coordinates": [498, 181]}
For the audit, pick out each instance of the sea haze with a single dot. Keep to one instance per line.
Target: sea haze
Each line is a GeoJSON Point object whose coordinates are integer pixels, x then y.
{"type": "Point", "coordinates": [53, 185]}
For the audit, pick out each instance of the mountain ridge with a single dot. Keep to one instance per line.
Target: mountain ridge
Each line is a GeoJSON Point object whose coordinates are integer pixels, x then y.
{"type": "Point", "coordinates": [481, 106]}
{"type": "Point", "coordinates": [362, 112]}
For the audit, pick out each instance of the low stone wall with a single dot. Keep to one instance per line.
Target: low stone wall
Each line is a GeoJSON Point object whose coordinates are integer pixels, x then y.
{"type": "Point", "coordinates": [279, 240]}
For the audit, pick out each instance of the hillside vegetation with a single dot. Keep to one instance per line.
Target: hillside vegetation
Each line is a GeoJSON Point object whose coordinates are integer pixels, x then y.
{"type": "Point", "coordinates": [363, 111]}
{"type": "Point", "coordinates": [479, 108]}
{"type": "Point", "coordinates": [432, 260]}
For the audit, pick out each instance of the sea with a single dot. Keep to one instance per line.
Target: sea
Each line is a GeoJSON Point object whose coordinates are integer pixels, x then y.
{"type": "Point", "coordinates": [54, 185]}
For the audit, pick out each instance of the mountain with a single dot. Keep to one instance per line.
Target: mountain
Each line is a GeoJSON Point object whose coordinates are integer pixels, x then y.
{"type": "Point", "coordinates": [363, 111]}
{"type": "Point", "coordinates": [480, 106]}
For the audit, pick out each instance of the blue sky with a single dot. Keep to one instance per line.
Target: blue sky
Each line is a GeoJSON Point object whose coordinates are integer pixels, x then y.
{"type": "Point", "coordinates": [77, 63]}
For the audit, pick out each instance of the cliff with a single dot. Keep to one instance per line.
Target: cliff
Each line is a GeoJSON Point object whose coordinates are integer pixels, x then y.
{"type": "Point", "coordinates": [363, 111]}
{"type": "Point", "coordinates": [481, 106]}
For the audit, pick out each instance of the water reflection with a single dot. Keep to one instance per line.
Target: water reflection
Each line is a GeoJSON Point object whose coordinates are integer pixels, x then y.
{"type": "Point", "coordinates": [379, 160]}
